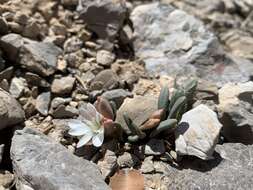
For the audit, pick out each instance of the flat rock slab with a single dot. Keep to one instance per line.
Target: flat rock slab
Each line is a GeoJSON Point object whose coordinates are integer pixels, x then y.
{"type": "Point", "coordinates": [46, 165]}
{"type": "Point", "coordinates": [11, 112]}
{"type": "Point", "coordinates": [173, 42]}
{"type": "Point", "coordinates": [231, 169]}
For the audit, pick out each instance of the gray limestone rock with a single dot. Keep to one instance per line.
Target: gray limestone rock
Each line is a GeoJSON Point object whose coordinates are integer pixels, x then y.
{"type": "Point", "coordinates": [231, 169]}
{"type": "Point", "coordinates": [110, 19]}
{"type": "Point", "coordinates": [147, 165]}
{"type": "Point", "coordinates": [236, 111]}
{"type": "Point", "coordinates": [105, 58]}
{"type": "Point", "coordinates": [108, 164]}
{"type": "Point", "coordinates": [128, 160]}
{"type": "Point", "coordinates": [43, 102]}
{"type": "Point", "coordinates": [198, 132]}
{"type": "Point", "coordinates": [63, 85]}
{"type": "Point", "coordinates": [172, 42]}
{"type": "Point", "coordinates": [42, 164]}
{"type": "Point", "coordinates": [11, 112]}
{"type": "Point", "coordinates": [38, 57]}
{"type": "Point", "coordinates": [17, 87]}
{"type": "Point", "coordinates": [106, 79]}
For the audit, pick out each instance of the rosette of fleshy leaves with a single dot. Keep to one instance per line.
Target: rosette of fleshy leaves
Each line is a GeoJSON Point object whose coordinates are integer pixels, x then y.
{"type": "Point", "coordinates": [94, 123]}
{"type": "Point", "coordinates": [168, 114]}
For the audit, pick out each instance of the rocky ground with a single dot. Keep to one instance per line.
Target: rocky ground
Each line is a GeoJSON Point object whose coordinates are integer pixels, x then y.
{"type": "Point", "coordinates": [56, 56]}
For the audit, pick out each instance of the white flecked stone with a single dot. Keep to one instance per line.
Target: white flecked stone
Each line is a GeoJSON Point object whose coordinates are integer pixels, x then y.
{"type": "Point", "coordinates": [198, 132]}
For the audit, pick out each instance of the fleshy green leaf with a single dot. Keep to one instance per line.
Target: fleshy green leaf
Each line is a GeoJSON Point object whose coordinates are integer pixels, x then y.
{"type": "Point", "coordinates": [177, 107]}
{"type": "Point", "coordinates": [164, 125]}
{"type": "Point", "coordinates": [163, 101]}
{"type": "Point", "coordinates": [133, 128]}
{"type": "Point", "coordinates": [177, 94]}
{"type": "Point", "coordinates": [190, 88]}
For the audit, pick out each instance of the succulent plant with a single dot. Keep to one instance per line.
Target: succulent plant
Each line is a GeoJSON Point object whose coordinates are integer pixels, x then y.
{"type": "Point", "coordinates": [169, 113]}
{"type": "Point", "coordinates": [162, 121]}
{"type": "Point", "coordinates": [153, 120]}
{"type": "Point", "coordinates": [168, 124]}
{"type": "Point", "coordinates": [135, 131]}
{"type": "Point", "coordinates": [190, 88]}
{"type": "Point", "coordinates": [176, 94]}
{"type": "Point", "coordinates": [177, 108]}
{"type": "Point", "coordinates": [163, 100]}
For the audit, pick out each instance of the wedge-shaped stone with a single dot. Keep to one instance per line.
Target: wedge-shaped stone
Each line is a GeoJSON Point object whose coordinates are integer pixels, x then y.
{"type": "Point", "coordinates": [198, 132]}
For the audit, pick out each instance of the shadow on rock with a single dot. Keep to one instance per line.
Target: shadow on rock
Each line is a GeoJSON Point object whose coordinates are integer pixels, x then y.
{"type": "Point", "coordinates": [183, 128]}
{"type": "Point", "coordinates": [193, 163]}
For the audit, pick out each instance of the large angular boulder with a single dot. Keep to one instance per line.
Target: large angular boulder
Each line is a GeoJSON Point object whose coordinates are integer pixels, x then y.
{"type": "Point", "coordinates": [198, 133]}
{"type": "Point", "coordinates": [231, 169]}
{"type": "Point", "coordinates": [11, 112]}
{"type": "Point", "coordinates": [236, 111]}
{"type": "Point", "coordinates": [172, 42]}
{"type": "Point", "coordinates": [38, 57]}
{"type": "Point", "coordinates": [110, 19]}
{"type": "Point", "coordinates": [41, 164]}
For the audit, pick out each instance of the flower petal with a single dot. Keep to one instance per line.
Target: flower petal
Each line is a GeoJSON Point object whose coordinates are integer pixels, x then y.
{"type": "Point", "coordinates": [84, 140]}
{"type": "Point", "coordinates": [78, 128]}
{"type": "Point", "coordinates": [85, 114]}
{"type": "Point", "coordinates": [99, 117]}
{"type": "Point", "coordinates": [91, 122]}
{"type": "Point", "coordinates": [91, 109]}
{"type": "Point", "coordinates": [98, 139]}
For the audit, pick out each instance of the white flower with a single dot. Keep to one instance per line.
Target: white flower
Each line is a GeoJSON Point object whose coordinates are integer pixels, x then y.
{"type": "Point", "coordinates": [89, 128]}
